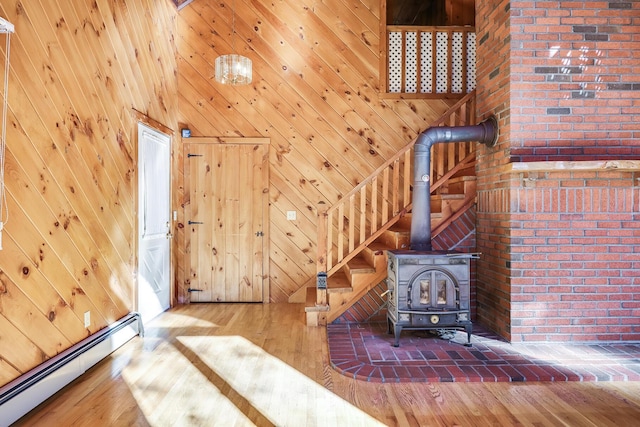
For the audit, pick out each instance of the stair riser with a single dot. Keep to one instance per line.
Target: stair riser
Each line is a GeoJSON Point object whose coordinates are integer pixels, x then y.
{"type": "Point", "coordinates": [462, 187]}
{"type": "Point", "coordinates": [370, 255]}
{"type": "Point", "coordinates": [395, 240]}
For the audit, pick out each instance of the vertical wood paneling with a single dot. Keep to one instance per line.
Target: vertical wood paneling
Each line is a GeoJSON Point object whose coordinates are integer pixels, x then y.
{"type": "Point", "coordinates": [314, 94]}
{"type": "Point", "coordinates": [78, 71]}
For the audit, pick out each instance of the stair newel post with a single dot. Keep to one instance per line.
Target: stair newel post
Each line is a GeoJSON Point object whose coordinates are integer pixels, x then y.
{"type": "Point", "coordinates": [321, 261]}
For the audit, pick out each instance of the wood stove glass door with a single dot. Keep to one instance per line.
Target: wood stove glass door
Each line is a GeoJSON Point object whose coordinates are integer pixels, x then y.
{"type": "Point", "coordinates": [432, 289]}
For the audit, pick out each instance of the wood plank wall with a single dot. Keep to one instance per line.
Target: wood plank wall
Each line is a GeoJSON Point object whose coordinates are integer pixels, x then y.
{"type": "Point", "coordinates": [78, 71]}
{"type": "Point", "coordinates": [314, 94]}
{"type": "Point", "coordinates": [82, 74]}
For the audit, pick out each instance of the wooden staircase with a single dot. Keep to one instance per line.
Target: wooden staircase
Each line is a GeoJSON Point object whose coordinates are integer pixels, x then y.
{"type": "Point", "coordinates": [355, 234]}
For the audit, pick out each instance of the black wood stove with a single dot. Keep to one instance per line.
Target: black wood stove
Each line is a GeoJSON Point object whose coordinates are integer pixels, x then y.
{"type": "Point", "coordinates": [429, 289]}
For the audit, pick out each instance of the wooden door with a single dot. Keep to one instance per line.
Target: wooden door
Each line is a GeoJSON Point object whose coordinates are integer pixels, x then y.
{"type": "Point", "coordinates": [227, 217]}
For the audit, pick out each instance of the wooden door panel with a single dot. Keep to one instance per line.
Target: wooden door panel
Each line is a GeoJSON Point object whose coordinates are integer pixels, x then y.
{"type": "Point", "coordinates": [229, 230]}
{"type": "Point", "coordinates": [227, 206]}
{"type": "Point", "coordinates": [200, 224]}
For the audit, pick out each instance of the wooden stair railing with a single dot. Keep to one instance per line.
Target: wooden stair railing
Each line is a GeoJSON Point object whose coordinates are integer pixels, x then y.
{"type": "Point", "coordinates": [379, 201]}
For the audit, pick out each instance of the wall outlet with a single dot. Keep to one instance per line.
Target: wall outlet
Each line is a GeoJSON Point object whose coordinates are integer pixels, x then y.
{"type": "Point", "coordinates": [87, 319]}
{"type": "Point", "coordinates": [291, 215]}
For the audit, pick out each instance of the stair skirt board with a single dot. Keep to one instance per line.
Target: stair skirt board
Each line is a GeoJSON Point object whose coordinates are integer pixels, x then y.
{"type": "Point", "coordinates": [26, 392]}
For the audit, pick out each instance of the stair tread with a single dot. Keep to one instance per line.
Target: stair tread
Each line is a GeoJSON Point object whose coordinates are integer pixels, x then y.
{"type": "Point", "coordinates": [435, 214]}
{"type": "Point", "coordinates": [448, 196]}
{"type": "Point", "coordinates": [377, 247]}
{"type": "Point", "coordinates": [359, 264]}
{"type": "Point", "coordinates": [399, 228]}
{"type": "Point", "coordinates": [462, 178]}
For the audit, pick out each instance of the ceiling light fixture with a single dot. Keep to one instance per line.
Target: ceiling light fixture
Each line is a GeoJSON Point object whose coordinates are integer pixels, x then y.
{"type": "Point", "coordinates": [233, 69]}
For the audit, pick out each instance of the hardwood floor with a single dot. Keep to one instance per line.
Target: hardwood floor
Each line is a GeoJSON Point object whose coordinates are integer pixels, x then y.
{"type": "Point", "coordinates": [254, 364]}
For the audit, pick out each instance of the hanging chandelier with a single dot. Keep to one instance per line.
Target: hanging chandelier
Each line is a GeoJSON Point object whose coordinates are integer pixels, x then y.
{"type": "Point", "coordinates": [233, 69]}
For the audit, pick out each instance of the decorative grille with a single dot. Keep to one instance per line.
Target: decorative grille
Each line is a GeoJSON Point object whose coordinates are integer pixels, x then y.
{"type": "Point", "coordinates": [395, 61]}
{"type": "Point", "coordinates": [429, 60]}
{"type": "Point", "coordinates": [426, 83]}
{"type": "Point", "coordinates": [471, 62]}
{"type": "Point", "coordinates": [442, 62]}
{"type": "Point", "coordinates": [411, 63]}
{"type": "Point", "coordinates": [456, 64]}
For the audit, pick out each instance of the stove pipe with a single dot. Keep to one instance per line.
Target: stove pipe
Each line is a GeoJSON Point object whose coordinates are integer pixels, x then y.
{"type": "Point", "coordinates": [485, 133]}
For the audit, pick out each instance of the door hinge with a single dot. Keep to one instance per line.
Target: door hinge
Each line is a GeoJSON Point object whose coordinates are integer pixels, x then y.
{"type": "Point", "coordinates": [260, 234]}
{"type": "Point", "coordinates": [189, 155]}
{"type": "Point", "coordinates": [195, 222]}
{"type": "Point", "coordinates": [194, 290]}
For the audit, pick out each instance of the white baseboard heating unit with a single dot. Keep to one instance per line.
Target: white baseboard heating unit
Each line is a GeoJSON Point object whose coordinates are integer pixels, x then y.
{"type": "Point", "coordinates": [26, 392]}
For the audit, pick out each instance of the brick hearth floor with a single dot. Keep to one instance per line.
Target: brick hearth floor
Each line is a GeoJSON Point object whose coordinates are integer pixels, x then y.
{"type": "Point", "coordinates": [365, 351]}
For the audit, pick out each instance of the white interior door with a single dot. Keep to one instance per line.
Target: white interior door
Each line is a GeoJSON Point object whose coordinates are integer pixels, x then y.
{"type": "Point", "coordinates": [154, 151]}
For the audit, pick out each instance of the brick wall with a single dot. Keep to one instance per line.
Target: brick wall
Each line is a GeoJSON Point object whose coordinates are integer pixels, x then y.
{"type": "Point", "coordinates": [493, 297]}
{"type": "Point", "coordinates": [493, 232]}
{"type": "Point", "coordinates": [575, 80]}
{"type": "Point", "coordinates": [575, 256]}
{"type": "Point", "coordinates": [560, 257]}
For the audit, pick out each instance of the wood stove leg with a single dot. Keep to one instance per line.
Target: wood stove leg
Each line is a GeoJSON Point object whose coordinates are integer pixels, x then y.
{"type": "Point", "coordinates": [397, 330]}
{"type": "Point", "coordinates": [468, 329]}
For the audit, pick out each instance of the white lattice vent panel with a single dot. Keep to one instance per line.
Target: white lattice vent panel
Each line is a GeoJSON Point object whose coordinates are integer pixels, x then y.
{"type": "Point", "coordinates": [456, 63]}
{"type": "Point", "coordinates": [426, 65]}
{"type": "Point", "coordinates": [471, 62]}
{"type": "Point", "coordinates": [442, 60]}
{"type": "Point", "coordinates": [411, 63]}
{"type": "Point", "coordinates": [395, 62]}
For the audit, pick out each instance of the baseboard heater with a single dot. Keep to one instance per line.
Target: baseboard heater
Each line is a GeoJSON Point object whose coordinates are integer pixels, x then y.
{"type": "Point", "coordinates": [26, 392]}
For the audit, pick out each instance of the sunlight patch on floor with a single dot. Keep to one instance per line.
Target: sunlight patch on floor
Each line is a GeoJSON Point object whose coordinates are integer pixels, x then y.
{"type": "Point", "coordinates": [170, 319]}
{"type": "Point", "coordinates": [279, 392]}
{"type": "Point", "coordinates": [184, 399]}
